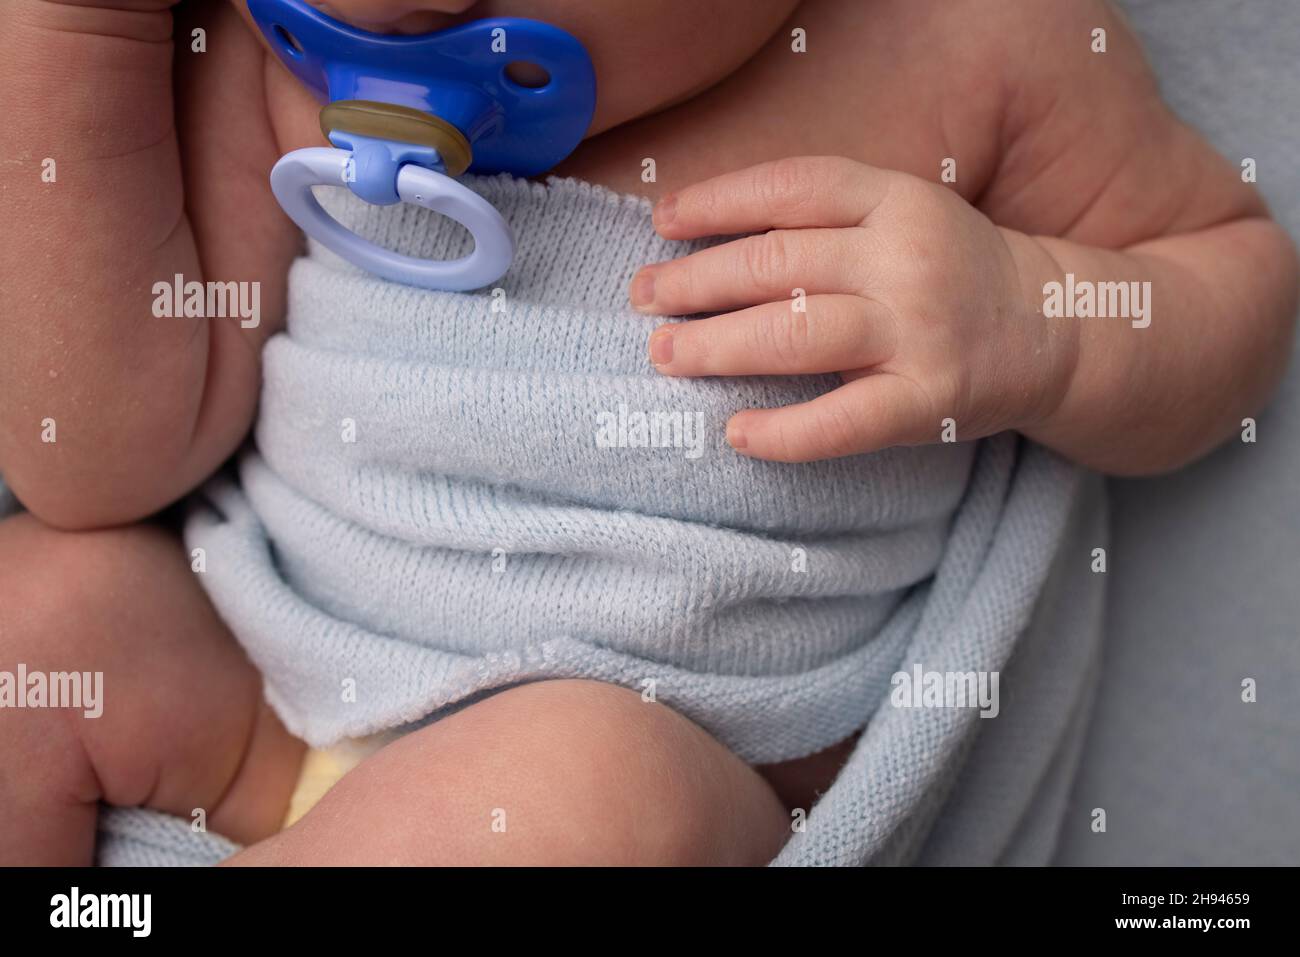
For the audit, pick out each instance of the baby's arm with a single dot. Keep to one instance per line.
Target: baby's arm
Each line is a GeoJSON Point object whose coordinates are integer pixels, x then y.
{"type": "Point", "coordinates": [143, 408]}
{"type": "Point", "coordinates": [1138, 196]}
{"type": "Point", "coordinates": [933, 311]}
{"type": "Point", "coordinates": [1221, 302]}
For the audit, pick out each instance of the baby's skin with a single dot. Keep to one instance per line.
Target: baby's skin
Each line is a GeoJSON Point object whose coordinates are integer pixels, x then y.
{"type": "Point", "coordinates": [921, 172]}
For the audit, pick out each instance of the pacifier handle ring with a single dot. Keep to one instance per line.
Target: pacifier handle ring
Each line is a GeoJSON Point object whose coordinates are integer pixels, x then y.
{"type": "Point", "coordinates": [296, 173]}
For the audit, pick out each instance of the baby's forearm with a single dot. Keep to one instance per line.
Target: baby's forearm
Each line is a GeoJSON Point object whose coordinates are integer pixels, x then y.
{"type": "Point", "coordinates": [90, 382]}
{"type": "Point", "coordinates": [116, 400]}
{"type": "Point", "coordinates": [1202, 338]}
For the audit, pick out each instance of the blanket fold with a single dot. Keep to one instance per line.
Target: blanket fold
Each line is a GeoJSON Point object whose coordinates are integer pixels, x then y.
{"type": "Point", "coordinates": [450, 494]}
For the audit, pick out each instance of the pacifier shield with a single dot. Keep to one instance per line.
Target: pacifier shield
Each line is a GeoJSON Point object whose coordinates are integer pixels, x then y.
{"type": "Point", "coordinates": [459, 75]}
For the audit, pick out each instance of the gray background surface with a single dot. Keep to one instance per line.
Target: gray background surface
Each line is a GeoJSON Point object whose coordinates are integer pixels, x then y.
{"type": "Point", "coordinates": [1205, 564]}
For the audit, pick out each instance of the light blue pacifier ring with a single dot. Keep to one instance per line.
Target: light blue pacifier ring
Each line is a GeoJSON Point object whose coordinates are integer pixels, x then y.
{"type": "Point", "coordinates": [407, 113]}
{"type": "Point", "coordinates": [296, 173]}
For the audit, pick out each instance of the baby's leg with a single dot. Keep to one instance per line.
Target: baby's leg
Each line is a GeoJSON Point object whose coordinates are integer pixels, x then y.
{"type": "Point", "coordinates": [801, 783]}
{"type": "Point", "coordinates": [183, 723]}
{"type": "Point", "coordinates": [557, 772]}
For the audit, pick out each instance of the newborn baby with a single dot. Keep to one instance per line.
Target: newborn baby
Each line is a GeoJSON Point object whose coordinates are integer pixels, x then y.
{"type": "Point", "coordinates": [580, 649]}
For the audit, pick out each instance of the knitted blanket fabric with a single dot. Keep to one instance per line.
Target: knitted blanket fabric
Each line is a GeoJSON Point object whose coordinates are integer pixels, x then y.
{"type": "Point", "coordinates": [450, 494]}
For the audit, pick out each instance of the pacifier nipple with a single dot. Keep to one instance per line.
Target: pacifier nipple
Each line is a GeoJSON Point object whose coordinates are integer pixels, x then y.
{"type": "Point", "coordinates": [407, 114]}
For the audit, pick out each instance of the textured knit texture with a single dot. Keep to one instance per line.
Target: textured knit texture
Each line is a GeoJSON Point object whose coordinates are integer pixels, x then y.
{"type": "Point", "coordinates": [475, 534]}
{"type": "Point", "coordinates": [136, 837]}
{"type": "Point", "coordinates": [428, 515]}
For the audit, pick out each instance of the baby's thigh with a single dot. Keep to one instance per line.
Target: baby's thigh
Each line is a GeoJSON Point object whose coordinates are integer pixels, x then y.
{"type": "Point", "coordinates": [555, 772]}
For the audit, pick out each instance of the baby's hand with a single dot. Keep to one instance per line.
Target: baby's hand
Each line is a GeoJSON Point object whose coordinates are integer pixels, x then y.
{"type": "Point", "coordinates": [910, 294]}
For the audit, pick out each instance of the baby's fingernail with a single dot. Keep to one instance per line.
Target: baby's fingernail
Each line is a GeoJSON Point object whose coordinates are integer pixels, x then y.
{"type": "Point", "coordinates": [661, 347]}
{"type": "Point", "coordinates": [736, 436]}
{"type": "Point", "coordinates": [665, 211]}
{"type": "Point", "coordinates": [643, 288]}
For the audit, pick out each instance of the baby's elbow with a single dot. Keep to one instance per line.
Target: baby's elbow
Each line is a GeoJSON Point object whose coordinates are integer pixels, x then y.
{"type": "Point", "coordinates": [85, 496]}
{"type": "Point", "coordinates": [77, 509]}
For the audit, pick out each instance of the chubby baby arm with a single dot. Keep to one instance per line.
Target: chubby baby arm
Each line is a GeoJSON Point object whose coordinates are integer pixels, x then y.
{"type": "Point", "coordinates": [950, 319]}
{"type": "Point", "coordinates": [1134, 196]}
{"type": "Point", "coordinates": [1202, 345]}
{"type": "Point", "coordinates": [940, 322]}
{"type": "Point", "coordinates": [110, 411]}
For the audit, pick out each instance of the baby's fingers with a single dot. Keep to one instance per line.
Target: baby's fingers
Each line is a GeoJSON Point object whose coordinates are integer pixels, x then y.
{"type": "Point", "coordinates": [870, 413]}
{"type": "Point", "coordinates": [750, 270]}
{"type": "Point", "coordinates": [823, 334]}
{"type": "Point", "coordinates": [788, 193]}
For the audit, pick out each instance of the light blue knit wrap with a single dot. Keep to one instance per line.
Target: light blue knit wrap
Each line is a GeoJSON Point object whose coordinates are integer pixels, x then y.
{"type": "Point", "coordinates": [431, 513]}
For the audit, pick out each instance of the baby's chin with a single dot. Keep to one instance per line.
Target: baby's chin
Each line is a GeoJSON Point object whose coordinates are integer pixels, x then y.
{"type": "Point", "coordinates": [644, 66]}
{"type": "Point", "coordinates": [408, 22]}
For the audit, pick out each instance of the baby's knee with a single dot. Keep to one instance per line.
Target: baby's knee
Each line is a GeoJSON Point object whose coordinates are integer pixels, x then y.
{"type": "Point", "coordinates": [116, 617]}
{"type": "Point", "coordinates": [52, 588]}
{"type": "Point", "coordinates": [631, 781]}
{"type": "Point", "coordinates": [51, 613]}
{"type": "Point", "coordinates": [121, 601]}
{"type": "Point", "coordinates": [560, 772]}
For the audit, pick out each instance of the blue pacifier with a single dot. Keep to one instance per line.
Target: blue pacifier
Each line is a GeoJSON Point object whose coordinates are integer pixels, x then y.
{"type": "Point", "coordinates": [407, 114]}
